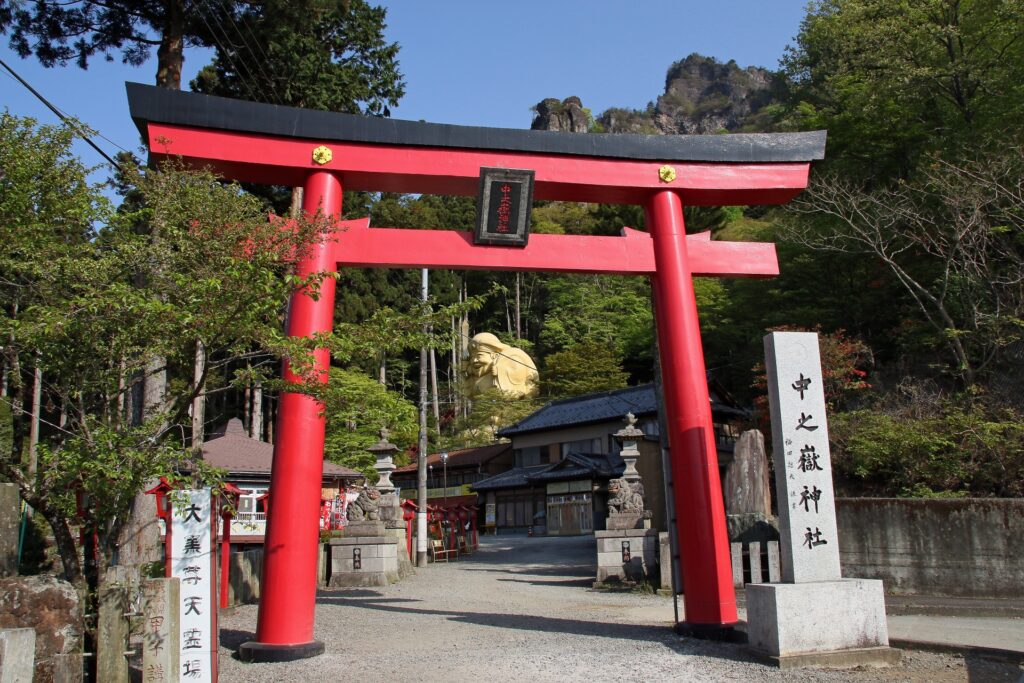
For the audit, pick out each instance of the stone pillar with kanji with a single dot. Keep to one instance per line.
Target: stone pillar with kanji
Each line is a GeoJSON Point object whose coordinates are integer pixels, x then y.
{"type": "Point", "coordinates": [815, 617]}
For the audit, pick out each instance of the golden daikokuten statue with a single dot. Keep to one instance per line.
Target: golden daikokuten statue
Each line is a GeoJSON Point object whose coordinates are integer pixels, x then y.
{"type": "Point", "coordinates": [496, 365]}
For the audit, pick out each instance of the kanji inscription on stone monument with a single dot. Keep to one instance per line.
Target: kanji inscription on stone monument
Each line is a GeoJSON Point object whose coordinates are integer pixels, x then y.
{"type": "Point", "coordinates": [192, 561]}
{"type": "Point", "coordinates": [160, 647]}
{"type": "Point", "coordinates": [807, 516]}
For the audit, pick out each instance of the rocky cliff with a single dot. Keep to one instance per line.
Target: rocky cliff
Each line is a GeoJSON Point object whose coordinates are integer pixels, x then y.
{"type": "Point", "coordinates": [702, 96]}
{"type": "Point", "coordinates": [568, 115]}
{"type": "Point", "coordinates": [705, 96]}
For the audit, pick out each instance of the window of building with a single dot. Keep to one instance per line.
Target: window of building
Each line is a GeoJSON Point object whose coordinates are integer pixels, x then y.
{"type": "Point", "coordinates": [528, 457]}
{"type": "Point", "coordinates": [582, 446]}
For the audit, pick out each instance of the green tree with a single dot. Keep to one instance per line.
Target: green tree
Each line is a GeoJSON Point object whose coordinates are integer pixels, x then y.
{"type": "Point", "coordinates": [59, 32]}
{"type": "Point", "coordinates": [75, 308]}
{"type": "Point", "coordinates": [491, 410]}
{"type": "Point", "coordinates": [315, 54]}
{"type": "Point", "coordinates": [951, 237]}
{"type": "Point", "coordinates": [916, 443]}
{"type": "Point", "coordinates": [587, 366]}
{"type": "Point", "coordinates": [611, 310]}
{"type": "Point", "coordinates": [357, 408]}
{"type": "Point", "coordinates": [893, 78]}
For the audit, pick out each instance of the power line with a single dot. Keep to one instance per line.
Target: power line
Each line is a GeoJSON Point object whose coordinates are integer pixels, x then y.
{"type": "Point", "coordinates": [259, 62]}
{"type": "Point", "coordinates": [63, 117]}
{"type": "Point", "coordinates": [246, 81]}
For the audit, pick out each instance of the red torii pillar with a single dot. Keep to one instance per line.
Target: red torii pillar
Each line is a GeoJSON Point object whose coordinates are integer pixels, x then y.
{"type": "Point", "coordinates": [261, 143]}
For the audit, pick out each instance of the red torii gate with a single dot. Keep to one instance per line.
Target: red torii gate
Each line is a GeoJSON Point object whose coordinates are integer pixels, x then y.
{"type": "Point", "coordinates": [321, 151]}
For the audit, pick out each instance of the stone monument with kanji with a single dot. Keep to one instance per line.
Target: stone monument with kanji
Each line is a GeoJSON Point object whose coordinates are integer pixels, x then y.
{"type": "Point", "coordinates": [815, 617]}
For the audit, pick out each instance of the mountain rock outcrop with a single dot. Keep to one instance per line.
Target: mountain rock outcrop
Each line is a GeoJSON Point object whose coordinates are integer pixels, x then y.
{"type": "Point", "coordinates": [568, 115]}
{"type": "Point", "coordinates": [702, 96]}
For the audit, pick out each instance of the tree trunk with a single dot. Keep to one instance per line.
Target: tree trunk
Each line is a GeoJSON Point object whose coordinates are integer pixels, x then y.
{"type": "Point", "coordinates": [453, 389]}
{"type": "Point", "coordinates": [154, 387]}
{"type": "Point", "coordinates": [272, 418]}
{"type": "Point", "coordinates": [122, 398]}
{"type": "Point", "coordinates": [66, 547]}
{"type": "Point", "coordinates": [199, 402]}
{"type": "Point", "coordinates": [519, 325]}
{"type": "Point", "coordinates": [170, 55]}
{"type": "Point", "coordinates": [296, 207]}
{"type": "Point", "coordinates": [33, 433]}
{"type": "Point", "coordinates": [139, 539]}
{"type": "Point", "coordinates": [17, 389]}
{"type": "Point", "coordinates": [256, 431]}
{"type": "Point", "coordinates": [433, 391]}
{"type": "Point", "coordinates": [246, 409]}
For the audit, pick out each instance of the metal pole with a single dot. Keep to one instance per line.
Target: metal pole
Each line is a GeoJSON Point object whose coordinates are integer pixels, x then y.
{"type": "Point", "coordinates": [444, 461]}
{"type": "Point", "coordinates": [421, 472]}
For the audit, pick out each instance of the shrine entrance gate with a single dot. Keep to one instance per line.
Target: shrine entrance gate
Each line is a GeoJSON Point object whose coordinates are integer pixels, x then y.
{"type": "Point", "coordinates": [324, 152]}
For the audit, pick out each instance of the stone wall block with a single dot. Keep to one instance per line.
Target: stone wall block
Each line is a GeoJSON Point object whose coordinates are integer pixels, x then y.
{"type": "Point", "coordinates": [17, 655]}
{"type": "Point", "coordinates": [51, 607]}
{"type": "Point", "coordinates": [966, 547]}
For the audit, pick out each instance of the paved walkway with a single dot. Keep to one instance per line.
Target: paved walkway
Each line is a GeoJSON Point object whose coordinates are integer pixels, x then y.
{"type": "Point", "coordinates": [522, 609]}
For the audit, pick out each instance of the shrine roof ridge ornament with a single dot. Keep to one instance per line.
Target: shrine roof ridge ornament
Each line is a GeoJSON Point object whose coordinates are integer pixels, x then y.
{"type": "Point", "coordinates": [150, 104]}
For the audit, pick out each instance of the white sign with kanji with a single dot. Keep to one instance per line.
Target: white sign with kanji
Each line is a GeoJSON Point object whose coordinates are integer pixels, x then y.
{"type": "Point", "coordinates": [193, 562]}
{"type": "Point", "coordinates": [800, 452]}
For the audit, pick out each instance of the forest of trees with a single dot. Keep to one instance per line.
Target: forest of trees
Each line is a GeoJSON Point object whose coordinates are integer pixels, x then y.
{"type": "Point", "coordinates": [906, 253]}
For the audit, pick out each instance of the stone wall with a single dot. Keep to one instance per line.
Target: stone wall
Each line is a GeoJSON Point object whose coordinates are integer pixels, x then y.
{"type": "Point", "coordinates": [51, 607]}
{"type": "Point", "coordinates": [971, 547]}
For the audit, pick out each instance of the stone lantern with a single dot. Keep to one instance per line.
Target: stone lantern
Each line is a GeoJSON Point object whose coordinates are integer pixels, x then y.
{"type": "Point", "coordinates": [628, 437]}
{"type": "Point", "coordinates": [627, 547]}
{"type": "Point", "coordinates": [384, 451]}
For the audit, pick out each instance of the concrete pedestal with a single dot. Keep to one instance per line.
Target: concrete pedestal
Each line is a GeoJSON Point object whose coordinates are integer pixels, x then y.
{"type": "Point", "coordinates": [837, 623]}
{"type": "Point", "coordinates": [405, 566]}
{"type": "Point", "coordinates": [363, 561]}
{"type": "Point", "coordinates": [628, 520]}
{"type": "Point", "coordinates": [642, 547]}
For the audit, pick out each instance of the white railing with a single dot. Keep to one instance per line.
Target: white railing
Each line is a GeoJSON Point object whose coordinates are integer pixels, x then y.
{"type": "Point", "coordinates": [251, 517]}
{"type": "Point", "coordinates": [249, 524]}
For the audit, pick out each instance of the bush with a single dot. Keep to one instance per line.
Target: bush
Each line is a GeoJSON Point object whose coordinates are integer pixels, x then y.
{"type": "Point", "coordinates": [961, 450]}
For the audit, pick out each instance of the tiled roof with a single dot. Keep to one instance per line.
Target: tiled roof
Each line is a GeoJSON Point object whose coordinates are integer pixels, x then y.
{"type": "Point", "coordinates": [582, 466]}
{"type": "Point", "coordinates": [599, 407]}
{"type": "Point", "coordinates": [573, 466]}
{"type": "Point", "coordinates": [517, 477]}
{"type": "Point", "coordinates": [463, 457]}
{"type": "Point", "coordinates": [238, 453]}
{"type": "Point", "coordinates": [603, 406]}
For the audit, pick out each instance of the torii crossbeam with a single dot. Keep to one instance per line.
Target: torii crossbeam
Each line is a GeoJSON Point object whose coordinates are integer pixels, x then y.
{"type": "Point", "coordinates": [271, 144]}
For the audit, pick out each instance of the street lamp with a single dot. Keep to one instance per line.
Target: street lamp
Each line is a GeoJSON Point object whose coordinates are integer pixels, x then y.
{"type": "Point", "coordinates": [444, 462]}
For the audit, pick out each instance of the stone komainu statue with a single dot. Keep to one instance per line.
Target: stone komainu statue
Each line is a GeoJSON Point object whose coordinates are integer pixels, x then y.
{"type": "Point", "coordinates": [365, 507]}
{"type": "Point", "coordinates": [496, 365]}
{"type": "Point", "coordinates": [624, 497]}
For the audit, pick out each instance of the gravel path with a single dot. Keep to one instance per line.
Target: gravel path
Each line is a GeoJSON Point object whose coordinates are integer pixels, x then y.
{"type": "Point", "coordinates": [521, 609]}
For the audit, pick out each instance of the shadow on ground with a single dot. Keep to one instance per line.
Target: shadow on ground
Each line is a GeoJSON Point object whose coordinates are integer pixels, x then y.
{"type": "Point", "coordinates": [553, 625]}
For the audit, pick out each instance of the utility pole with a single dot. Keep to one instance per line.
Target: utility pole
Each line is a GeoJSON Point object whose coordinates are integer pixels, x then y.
{"type": "Point", "coordinates": [421, 472]}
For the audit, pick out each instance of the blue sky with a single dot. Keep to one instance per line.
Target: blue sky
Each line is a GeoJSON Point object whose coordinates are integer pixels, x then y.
{"type": "Point", "coordinates": [477, 62]}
